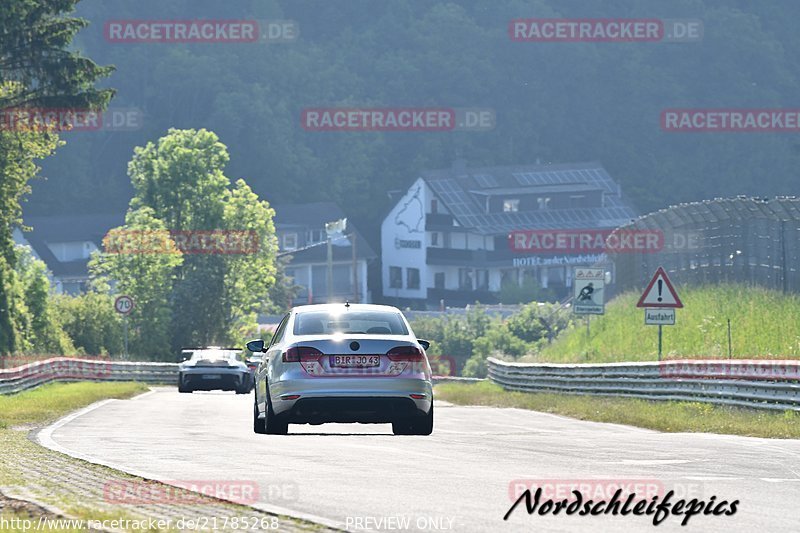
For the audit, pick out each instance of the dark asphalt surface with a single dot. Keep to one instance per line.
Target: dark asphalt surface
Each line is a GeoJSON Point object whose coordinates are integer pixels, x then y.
{"type": "Point", "coordinates": [360, 476]}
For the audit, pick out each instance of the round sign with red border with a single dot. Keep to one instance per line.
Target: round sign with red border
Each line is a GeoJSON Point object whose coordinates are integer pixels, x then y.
{"type": "Point", "coordinates": [123, 304]}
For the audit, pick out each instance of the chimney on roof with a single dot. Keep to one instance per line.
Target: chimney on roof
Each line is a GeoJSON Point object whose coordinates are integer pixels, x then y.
{"type": "Point", "coordinates": [459, 166]}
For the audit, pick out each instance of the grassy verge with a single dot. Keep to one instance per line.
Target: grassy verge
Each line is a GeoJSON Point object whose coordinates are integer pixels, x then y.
{"type": "Point", "coordinates": [36, 407]}
{"type": "Point", "coordinates": [54, 400]}
{"type": "Point", "coordinates": [764, 324]}
{"type": "Point", "coordinates": [674, 417]}
{"type": "Point", "coordinates": [77, 488]}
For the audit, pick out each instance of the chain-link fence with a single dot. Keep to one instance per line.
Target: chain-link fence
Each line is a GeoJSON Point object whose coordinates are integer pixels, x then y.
{"type": "Point", "coordinates": [745, 240]}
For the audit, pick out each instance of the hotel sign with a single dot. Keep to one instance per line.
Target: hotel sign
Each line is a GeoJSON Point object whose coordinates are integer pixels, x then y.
{"type": "Point", "coordinates": [407, 243]}
{"type": "Point", "coordinates": [588, 259]}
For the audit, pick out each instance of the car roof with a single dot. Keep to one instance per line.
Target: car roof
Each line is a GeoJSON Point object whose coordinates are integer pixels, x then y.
{"type": "Point", "coordinates": [338, 307]}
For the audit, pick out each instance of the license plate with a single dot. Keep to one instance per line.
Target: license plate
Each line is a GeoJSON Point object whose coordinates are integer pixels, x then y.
{"type": "Point", "coordinates": [355, 361]}
{"type": "Point", "coordinates": [212, 376]}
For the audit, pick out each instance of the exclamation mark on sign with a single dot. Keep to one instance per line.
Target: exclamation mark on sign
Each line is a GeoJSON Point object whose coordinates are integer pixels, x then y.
{"type": "Point", "coordinates": [660, 288]}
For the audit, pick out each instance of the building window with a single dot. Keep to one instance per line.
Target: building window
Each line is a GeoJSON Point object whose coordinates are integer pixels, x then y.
{"type": "Point", "coordinates": [508, 277]}
{"type": "Point", "coordinates": [543, 202]}
{"type": "Point", "coordinates": [510, 205]}
{"type": "Point", "coordinates": [465, 279]}
{"type": "Point", "coordinates": [438, 280]}
{"type": "Point", "coordinates": [290, 241]}
{"type": "Point", "coordinates": [412, 278]}
{"type": "Point", "coordinates": [577, 200]}
{"type": "Point", "coordinates": [66, 252]}
{"type": "Point", "coordinates": [395, 278]}
{"type": "Point", "coordinates": [435, 239]}
{"type": "Point", "coordinates": [482, 280]}
{"type": "Point", "coordinates": [316, 235]}
{"type": "Point", "coordinates": [434, 206]}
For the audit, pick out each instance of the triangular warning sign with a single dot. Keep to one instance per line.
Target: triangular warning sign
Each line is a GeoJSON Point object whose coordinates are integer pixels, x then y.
{"type": "Point", "coordinates": [660, 292]}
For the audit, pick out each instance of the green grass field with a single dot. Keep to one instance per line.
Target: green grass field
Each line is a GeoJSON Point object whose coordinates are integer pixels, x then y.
{"type": "Point", "coordinates": [51, 401]}
{"type": "Point", "coordinates": [764, 324]}
{"type": "Point", "coordinates": [671, 417]}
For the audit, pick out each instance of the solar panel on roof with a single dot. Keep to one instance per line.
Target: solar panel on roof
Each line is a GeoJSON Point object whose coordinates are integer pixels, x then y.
{"type": "Point", "coordinates": [485, 180]}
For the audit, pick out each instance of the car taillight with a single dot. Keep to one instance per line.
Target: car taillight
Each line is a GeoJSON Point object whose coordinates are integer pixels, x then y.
{"type": "Point", "coordinates": [296, 354]}
{"type": "Point", "coordinates": [405, 353]}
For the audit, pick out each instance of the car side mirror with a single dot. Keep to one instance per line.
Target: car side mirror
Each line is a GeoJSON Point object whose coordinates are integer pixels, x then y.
{"type": "Point", "coordinates": [425, 344]}
{"type": "Point", "coordinates": [256, 346]}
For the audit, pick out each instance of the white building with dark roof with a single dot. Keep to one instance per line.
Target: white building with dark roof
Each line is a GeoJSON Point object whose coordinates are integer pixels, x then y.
{"type": "Point", "coordinates": [301, 235]}
{"type": "Point", "coordinates": [447, 237]}
{"type": "Point", "coordinates": [65, 243]}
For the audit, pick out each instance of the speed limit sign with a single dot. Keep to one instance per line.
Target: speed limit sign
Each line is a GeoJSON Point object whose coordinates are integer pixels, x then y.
{"type": "Point", "coordinates": [123, 304]}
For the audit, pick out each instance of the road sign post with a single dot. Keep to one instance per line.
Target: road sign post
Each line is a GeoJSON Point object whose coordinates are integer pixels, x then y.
{"type": "Point", "coordinates": [588, 296]}
{"type": "Point", "coordinates": [124, 305]}
{"type": "Point", "coordinates": [659, 301]}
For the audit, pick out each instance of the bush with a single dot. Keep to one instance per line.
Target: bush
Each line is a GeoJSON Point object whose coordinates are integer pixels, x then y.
{"type": "Point", "coordinates": [529, 291]}
{"type": "Point", "coordinates": [91, 322]}
{"type": "Point", "coordinates": [38, 322]}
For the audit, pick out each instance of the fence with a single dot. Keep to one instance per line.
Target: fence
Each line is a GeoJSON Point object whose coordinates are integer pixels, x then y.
{"type": "Point", "coordinates": [754, 384]}
{"type": "Point", "coordinates": [13, 380]}
{"type": "Point", "coordinates": [18, 379]}
{"type": "Point", "coordinates": [746, 240]}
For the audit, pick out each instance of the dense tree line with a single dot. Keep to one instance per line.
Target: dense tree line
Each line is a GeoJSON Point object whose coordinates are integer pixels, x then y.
{"type": "Point", "coordinates": [37, 70]}
{"type": "Point", "coordinates": [556, 102]}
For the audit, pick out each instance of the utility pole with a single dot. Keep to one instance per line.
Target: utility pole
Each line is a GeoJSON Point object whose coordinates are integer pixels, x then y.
{"type": "Point", "coordinates": [355, 268]}
{"type": "Point", "coordinates": [333, 229]}
{"type": "Point", "coordinates": [330, 270]}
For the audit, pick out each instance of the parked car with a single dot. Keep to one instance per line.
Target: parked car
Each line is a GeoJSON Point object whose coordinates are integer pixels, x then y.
{"type": "Point", "coordinates": [343, 363]}
{"type": "Point", "coordinates": [213, 369]}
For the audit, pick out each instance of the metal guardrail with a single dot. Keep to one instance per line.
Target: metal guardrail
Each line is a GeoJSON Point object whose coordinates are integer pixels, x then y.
{"type": "Point", "coordinates": [754, 384]}
{"type": "Point", "coordinates": [18, 379]}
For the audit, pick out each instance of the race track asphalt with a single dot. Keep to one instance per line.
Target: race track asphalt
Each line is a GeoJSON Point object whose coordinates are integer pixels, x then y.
{"type": "Point", "coordinates": [461, 478]}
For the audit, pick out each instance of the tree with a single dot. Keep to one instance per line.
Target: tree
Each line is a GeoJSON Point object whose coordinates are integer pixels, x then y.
{"type": "Point", "coordinates": [90, 322]}
{"type": "Point", "coordinates": [249, 276]}
{"type": "Point", "coordinates": [181, 178]}
{"type": "Point", "coordinates": [36, 320]}
{"type": "Point", "coordinates": [18, 152]}
{"type": "Point", "coordinates": [34, 53]}
{"type": "Point", "coordinates": [147, 276]}
{"type": "Point", "coordinates": [36, 69]}
{"type": "Point", "coordinates": [211, 296]}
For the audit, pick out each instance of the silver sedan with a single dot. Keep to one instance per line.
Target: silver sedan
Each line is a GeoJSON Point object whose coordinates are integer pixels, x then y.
{"type": "Point", "coordinates": [343, 363]}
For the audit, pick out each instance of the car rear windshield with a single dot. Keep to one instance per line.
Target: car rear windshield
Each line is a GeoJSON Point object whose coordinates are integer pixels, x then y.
{"type": "Point", "coordinates": [365, 322]}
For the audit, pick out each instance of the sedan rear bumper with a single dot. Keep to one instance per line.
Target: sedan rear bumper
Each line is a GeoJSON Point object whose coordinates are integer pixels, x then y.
{"type": "Point", "coordinates": [345, 400]}
{"type": "Point", "coordinates": [214, 379]}
{"type": "Point", "coordinates": [347, 410]}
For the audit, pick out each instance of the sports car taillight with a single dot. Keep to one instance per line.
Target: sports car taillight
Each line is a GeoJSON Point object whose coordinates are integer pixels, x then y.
{"type": "Point", "coordinates": [297, 354]}
{"type": "Point", "coordinates": [405, 353]}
